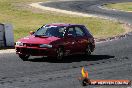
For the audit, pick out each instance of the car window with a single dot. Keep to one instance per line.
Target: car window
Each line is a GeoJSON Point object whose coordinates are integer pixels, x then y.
{"type": "Point", "coordinates": [79, 31]}
{"type": "Point", "coordinates": [71, 31]}
{"type": "Point", "coordinates": [50, 31]}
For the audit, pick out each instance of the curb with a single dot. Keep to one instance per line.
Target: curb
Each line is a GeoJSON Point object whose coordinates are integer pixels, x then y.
{"type": "Point", "coordinates": [113, 38]}
{"type": "Point", "coordinates": [106, 8]}
{"type": "Point", "coordinates": [7, 51]}
{"type": "Point", "coordinates": [37, 5]}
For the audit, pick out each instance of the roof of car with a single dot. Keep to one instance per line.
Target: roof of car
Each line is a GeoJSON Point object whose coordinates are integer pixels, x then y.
{"type": "Point", "coordinates": [63, 24]}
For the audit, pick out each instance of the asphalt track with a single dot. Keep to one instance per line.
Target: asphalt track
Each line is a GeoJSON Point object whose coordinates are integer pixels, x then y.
{"type": "Point", "coordinates": [111, 60]}
{"type": "Point", "coordinates": [92, 7]}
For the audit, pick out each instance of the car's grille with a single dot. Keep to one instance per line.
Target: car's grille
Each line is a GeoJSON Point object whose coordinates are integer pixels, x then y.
{"type": "Point", "coordinates": [31, 51]}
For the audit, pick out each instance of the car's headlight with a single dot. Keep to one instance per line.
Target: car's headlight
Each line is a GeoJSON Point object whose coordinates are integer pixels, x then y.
{"type": "Point", "coordinates": [45, 46]}
{"type": "Point", "coordinates": [19, 44]}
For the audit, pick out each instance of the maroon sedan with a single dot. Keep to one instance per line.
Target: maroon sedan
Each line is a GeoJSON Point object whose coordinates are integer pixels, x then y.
{"type": "Point", "coordinates": [56, 40]}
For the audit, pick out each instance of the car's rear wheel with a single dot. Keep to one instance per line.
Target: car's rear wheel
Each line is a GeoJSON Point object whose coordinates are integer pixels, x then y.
{"type": "Point", "coordinates": [24, 57]}
{"type": "Point", "coordinates": [88, 51]}
{"type": "Point", "coordinates": [60, 54]}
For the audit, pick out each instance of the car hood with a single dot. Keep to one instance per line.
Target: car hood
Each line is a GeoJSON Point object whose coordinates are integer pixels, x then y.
{"type": "Point", "coordinates": [38, 40]}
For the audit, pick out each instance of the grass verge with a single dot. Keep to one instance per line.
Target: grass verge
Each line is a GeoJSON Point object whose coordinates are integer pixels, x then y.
{"type": "Point", "coordinates": [25, 20]}
{"type": "Point", "coordinates": [121, 6]}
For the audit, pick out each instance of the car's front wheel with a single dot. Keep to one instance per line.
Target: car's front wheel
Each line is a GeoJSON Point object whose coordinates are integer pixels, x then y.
{"type": "Point", "coordinates": [24, 57]}
{"type": "Point", "coordinates": [60, 54]}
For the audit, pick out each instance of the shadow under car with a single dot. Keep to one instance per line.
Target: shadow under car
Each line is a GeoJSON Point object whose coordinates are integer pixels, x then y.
{"type": "Point", "coordinates": [70, 59]}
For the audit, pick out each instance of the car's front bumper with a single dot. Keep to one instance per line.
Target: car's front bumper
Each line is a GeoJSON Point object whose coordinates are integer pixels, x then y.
{"type": "Point", "coordinates": [35, 51]}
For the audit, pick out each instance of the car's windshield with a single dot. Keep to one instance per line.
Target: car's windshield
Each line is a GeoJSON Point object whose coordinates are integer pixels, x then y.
{"type": "Point", "coordinates": [57, 31]}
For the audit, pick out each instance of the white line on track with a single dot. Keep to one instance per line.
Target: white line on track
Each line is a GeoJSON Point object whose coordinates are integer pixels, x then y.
{"type": "Point", "coordinates": [105, 8]}
{"type": "Point", "coordinates": [37, 5]}
{"type": "Point", "coordinates": [7, 51]}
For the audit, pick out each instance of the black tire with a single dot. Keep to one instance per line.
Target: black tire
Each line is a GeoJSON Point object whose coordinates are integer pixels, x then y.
{"type": "Point", "coordinates": [60, 54]}
{"type": "Point", "coordinates": [88, 51]}
{"type": "Point", "coordinates": [24, 57]}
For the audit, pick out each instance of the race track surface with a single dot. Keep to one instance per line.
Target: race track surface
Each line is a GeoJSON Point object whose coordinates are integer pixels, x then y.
{"type": "Point", "coordinates": [110, 60]}
{"type": "Point", "coordinates": [93, 7]}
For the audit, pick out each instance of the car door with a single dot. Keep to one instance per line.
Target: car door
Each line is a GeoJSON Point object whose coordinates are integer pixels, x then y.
{"type": "Point", "coordinates": [81, 39]}
{"type": "Point", "coordinates": [70, 42]}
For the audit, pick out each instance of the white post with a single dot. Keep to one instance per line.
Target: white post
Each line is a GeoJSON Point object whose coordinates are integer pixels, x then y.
{"type": "Point", "coordinates": [9, 35]}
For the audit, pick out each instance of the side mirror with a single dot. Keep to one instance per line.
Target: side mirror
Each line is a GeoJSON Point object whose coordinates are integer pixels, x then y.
{"type": "Point", "coordinates": [31, 32]}
{"type": "Point", "coordinates": [69, 36]}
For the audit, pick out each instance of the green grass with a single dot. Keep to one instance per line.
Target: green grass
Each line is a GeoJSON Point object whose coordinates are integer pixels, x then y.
{"type": "Point", "coordinates": [121, 6]}
{"type": "Point", "coordinates": [25, 20]}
